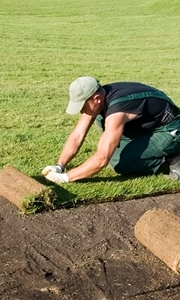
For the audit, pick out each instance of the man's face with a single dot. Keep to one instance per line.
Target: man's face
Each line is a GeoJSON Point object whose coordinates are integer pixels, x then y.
{"type": "Point", "coordinates": [93, 106]}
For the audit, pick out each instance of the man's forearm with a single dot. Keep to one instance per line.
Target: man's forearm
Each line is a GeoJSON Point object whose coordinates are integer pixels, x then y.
{"type": "Point", "coordinates": [70, 149]}
{"type": "Point", "coordinates": [75, 139]}
{"type": "Point", "coordinates": [90, 167]}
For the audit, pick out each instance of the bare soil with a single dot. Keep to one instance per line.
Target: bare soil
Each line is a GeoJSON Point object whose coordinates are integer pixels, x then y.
{"type": "Point", "coordinates": [85, 253]}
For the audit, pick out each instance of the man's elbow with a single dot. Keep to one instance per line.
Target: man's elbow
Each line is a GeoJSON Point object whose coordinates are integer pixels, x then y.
{"type": "Point", "coordinates": [103, 161]}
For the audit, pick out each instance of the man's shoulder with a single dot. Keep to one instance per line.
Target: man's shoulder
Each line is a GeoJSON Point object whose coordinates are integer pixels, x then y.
{"type": "Point", "coordinates": [122, 89]}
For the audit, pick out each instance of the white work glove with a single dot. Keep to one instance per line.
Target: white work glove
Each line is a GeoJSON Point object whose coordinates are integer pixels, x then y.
{"type": "Point", "coordinates": [57, 177]}
{"type": "Point", "coordinates": [57, 169]}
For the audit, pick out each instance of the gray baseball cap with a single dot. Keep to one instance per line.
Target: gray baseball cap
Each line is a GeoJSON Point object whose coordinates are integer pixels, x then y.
{"type": "Point", "coordinates": [79, 91]}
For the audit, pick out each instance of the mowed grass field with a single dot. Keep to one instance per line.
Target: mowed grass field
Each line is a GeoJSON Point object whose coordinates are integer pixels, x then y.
{"type": "Point", "coordinates": [45, 45]}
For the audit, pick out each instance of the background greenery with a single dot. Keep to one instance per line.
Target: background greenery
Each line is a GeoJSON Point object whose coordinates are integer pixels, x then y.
{"type": "Point", "coordinates": [45, 45]}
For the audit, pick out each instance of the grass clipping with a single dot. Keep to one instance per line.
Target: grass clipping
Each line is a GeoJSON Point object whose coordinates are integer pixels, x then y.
{"type": "Point", "coordinates": [39, 202]}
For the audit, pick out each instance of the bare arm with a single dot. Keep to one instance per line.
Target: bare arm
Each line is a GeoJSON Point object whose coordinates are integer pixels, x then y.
{"type": "Point", "coordinates": [108, 142]}
{"type": "Point", "coordinates": [75, 139]}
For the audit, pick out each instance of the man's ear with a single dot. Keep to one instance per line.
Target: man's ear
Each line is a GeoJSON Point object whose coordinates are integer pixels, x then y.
{"type": "Point", "coordinates": [97, 98]}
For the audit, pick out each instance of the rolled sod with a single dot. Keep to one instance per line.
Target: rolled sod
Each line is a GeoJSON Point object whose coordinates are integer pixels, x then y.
{"type": "Point", "coordinates": [159, 231]}
{"type": "Point", "coordinates": [25, 192]}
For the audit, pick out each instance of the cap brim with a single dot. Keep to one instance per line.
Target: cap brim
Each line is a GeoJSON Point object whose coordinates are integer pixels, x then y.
{"type": "Point", "coordinates": [74, 108]}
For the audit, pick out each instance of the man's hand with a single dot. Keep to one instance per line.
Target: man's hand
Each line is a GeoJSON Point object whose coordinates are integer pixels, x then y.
{"type": "Point", "coordinates": [57, 177]}
{"type": "Point", "coordinates": [57, 169]}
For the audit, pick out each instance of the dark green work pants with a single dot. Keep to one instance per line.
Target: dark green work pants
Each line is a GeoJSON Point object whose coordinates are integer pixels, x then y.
{"type": "Point", "coordinates": [144, 154]}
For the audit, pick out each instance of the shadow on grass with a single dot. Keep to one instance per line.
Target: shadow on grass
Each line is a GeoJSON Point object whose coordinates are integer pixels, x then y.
{"type": "Point", "coordinates": [118, 178]}
{"type": "Point", "coordinates": [63, 197]}
{"type": "Point", "coordinates": [164, 169]}
{"type": "Point", "coordinates": [66, 199]}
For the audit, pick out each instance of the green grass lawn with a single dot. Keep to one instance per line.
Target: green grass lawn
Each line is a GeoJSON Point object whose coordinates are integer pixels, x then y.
{"type": "Point", "coordinates": [45, 45]}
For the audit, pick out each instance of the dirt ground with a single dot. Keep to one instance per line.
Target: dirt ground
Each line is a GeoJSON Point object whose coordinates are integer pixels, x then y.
{"type": "Point", "coordinates": [85, 253]}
